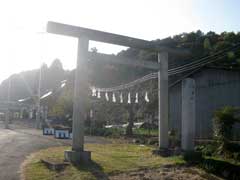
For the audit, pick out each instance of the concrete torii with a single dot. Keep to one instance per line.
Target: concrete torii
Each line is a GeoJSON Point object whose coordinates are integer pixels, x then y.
{"type": "Point", "coordinates": [77, 154]}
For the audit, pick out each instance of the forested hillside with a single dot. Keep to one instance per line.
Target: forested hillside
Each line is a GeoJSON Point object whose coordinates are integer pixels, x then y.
{"type": "Point", "coordinates": [25, 84]}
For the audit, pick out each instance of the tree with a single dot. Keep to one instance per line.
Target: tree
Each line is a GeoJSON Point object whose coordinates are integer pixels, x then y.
{"type": "Point", "coordinates": [56, 64]}
{"type": "Point", "coordinates": [207, 44]}
{"type": "Point", "coordinates": [94, 49]}
{"type": "Point", "coordinates": [55, 74]}
{"type": "Point", "coordinates": [63, 106]}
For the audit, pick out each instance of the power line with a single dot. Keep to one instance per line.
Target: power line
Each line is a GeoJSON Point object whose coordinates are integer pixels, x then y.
{"type": "Point", "coordinates": [214, 59]}
{"type": "Point", "coordinates": [184, 68]}
{"type": "Point", "coordinates": [205, 59]}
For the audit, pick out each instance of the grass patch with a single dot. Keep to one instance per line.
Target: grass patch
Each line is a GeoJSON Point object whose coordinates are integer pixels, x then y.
{"type": "Point", "coordinates": [107, 159]}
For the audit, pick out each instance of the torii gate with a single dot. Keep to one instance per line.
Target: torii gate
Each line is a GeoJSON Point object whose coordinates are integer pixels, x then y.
{"type": "Point", "coordinates": [80, 90]}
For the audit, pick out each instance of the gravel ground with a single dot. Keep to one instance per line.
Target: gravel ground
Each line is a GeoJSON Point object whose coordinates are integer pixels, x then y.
{"type": "Point", "coordinates": [166, 173]}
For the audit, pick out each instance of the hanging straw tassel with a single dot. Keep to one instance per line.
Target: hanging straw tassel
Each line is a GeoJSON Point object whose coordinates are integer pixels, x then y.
{"type": "Point", "coordinates": [121, 98]}
{"type": "Point", "coordinates": [113, 98]}
{"type": "Point", "coordinates": [136, 98]}
{"type": "Point", "coordinates": [106, 96]}
{"type": "Point", "coordinates": [129, 98]}
{"type": "Point", "coordinates": [146, 97]}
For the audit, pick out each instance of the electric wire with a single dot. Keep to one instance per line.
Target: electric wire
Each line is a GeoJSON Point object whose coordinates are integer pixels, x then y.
{"type": "Point", "coordinates": [184, 68]}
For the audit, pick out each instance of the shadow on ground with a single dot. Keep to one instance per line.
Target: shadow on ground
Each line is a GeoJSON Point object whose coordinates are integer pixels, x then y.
{"type": "Point", "coordinates": [221, 168]}
{"type": "Point", "coordinates": [94, 168]}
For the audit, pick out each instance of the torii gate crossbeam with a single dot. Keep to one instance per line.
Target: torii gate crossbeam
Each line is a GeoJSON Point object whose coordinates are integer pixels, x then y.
{"type": "Point", "coordinates": [80, 90]}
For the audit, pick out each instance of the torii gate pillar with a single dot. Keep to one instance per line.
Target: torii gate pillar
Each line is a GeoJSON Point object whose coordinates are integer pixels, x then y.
{"type": "Point", "coordinates": [163, 100]}
{"type": "Point", "coordinates": [77, 154]}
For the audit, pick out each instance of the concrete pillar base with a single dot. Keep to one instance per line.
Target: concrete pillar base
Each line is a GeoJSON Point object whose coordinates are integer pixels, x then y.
{"type": "Point", "coordinates": [164, 152]}
{"type": "Point", "coordinates": [77, 157]}
{"type": "Point", "coordinates": [167, 152]}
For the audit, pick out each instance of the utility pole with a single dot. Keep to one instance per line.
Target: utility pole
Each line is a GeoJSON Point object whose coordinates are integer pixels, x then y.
{"type": "Point", "coordinates": [38, 100]}
{"type": "Point", "coordinates": [38, 96]}
{"type": "Point", "coordinates": [8, 105]}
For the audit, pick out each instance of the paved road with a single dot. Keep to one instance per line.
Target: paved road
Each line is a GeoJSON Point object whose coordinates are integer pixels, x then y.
{"type": "Point", "coordinates": [17, 143]}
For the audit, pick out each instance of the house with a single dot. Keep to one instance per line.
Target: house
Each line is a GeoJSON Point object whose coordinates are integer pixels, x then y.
{"type": "Point", "coordinates": [215, 88]}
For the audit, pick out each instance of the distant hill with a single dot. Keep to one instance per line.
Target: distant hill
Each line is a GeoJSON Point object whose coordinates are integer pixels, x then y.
{"type": "Point", "coordinates": [25, 84]}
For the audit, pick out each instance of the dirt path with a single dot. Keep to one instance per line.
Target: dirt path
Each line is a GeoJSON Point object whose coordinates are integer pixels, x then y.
{"type": "Point", "coordinates": [17, 143]}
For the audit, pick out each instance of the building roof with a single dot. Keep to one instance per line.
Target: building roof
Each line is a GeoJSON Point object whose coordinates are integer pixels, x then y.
{"type": "Point", "coordinates": [174, 80]}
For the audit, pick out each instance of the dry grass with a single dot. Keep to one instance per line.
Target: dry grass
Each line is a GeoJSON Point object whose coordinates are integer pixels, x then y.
{"type": "Point", "coordinates": [113, 161]}
{"type": "Point", "coordinates": [107, 160]}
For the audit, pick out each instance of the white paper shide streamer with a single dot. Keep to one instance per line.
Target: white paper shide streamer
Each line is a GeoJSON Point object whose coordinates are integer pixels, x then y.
{"type": "Point", "coordinates": [98, 95]}
{"type": "Point", "coordinates": [91, 113]}
{"type": "Point", "coordinates": [136, 98]}
{"type": "Point", "coordinates": [146, 97]}
{"type": "Point", "coordinates": [121, 98]}
{"type": "Point", "coordinates": [106, 96]}
{"type": "Point", "coordinates": [129, 98]}
{"type": "Point", "coordinates": [94, 92]}
{"type": "Point", "coordinates": [113, 98]}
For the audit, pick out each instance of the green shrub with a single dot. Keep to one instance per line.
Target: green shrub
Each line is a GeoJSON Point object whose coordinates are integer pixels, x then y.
{"type": "Point", "coordinates": [232, 151]}
{"type": "Point", "coordinates": [207, 150]}
{"type": "Point", "coordinates": [153, 141]}
{"type": "Point", "coordinates": [224, 119]}
{"type": "Point", "coordinates": [145, 132]}
{"type": "Point", "coordinates": [192, 156]}
{"type": "Point", "coordinates": [107, 132]}
{"type": "Point", "coordinates": [113, 132]}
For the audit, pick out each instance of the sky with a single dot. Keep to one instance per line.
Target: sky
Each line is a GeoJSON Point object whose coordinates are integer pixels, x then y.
{"type": "Point", "coordinates": [25, 45]}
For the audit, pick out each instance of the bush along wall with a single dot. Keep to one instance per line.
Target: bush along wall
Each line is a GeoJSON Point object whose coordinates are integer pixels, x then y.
{"type": "Point", "coordinates": [224, 119]}
{"type": "Point", "coordinates": [222, 147]}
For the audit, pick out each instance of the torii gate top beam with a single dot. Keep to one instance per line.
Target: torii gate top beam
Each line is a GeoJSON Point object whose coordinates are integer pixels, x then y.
{"type": "Point", "coordinates": [75, 31]}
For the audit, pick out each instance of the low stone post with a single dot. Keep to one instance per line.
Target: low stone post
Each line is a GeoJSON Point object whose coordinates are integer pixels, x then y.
{"type": "Point", "coordinates": [188, 114]}
{"type": "Point", "coordinates": [163, 100]}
